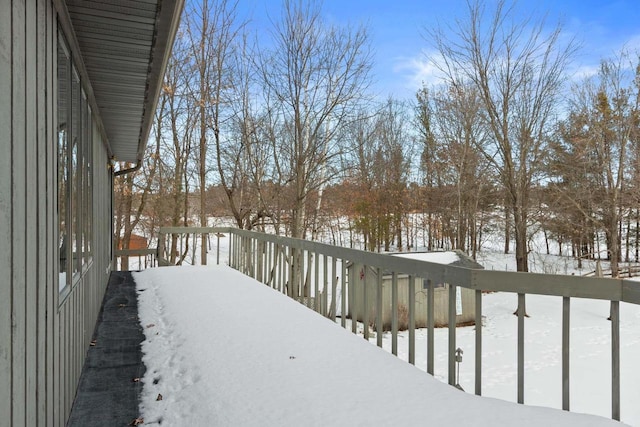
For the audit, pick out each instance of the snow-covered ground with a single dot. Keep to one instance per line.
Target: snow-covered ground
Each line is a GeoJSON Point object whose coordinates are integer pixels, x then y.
{"type": "Point", "coordinates": [590, 353]}
{"type": "Point", "coordinates": [222, 349]}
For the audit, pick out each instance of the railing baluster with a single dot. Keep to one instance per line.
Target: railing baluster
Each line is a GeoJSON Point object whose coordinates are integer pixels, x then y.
{"type": "Point", "coordinates": [268, 267]}
{"type": "Point", "coordinates": [316, 284]}
{"type": "Point", "coordinates": [394, 313]}
{"type": "Point", "coordinates": [566, 316]}
{"type": "Point", "coordinates": [306, 285]}
{"type": "Point", "coordinates": [289, 281]}
{"type": "Point", "coordinates": [271, 263]}
{"type": "Point", "coordinates": [281, 268]}
{"type": "Point", "coordinates": [259, 260]}
{"type": "Point", "coordinates": [615, 360]}
{"type": "Point", "coordinates": [238, 256]}
{"type": "Point", "coordinates": [451, 327]}
{"type": "Point", "coordinates": [255, 258]}
{"type": "Point", "coordinates": [478, 350]}
{"type": "Point", "coordinates": [521, 310]}
{"type": "Point", "coordinates": [343, 294]}
{"type": "Point", "coordinates": [247, 256]}
{"type": "Point", "coordinates": [325, 286]}
{"type": "Point", "coordinates": [244, 254]}
{"type": "Point", "coordinates": [233, 250]}
{"type": "Point", "coordinates": [265, 262]}
{"type": "Point", "coordinates": [353, 299]}
{"type": "Point", "coordinates": [431, 326]}
{"type": "Point", "coordinates": [379, 308]}
{"type": "Point", "coordinates": [412, 319]}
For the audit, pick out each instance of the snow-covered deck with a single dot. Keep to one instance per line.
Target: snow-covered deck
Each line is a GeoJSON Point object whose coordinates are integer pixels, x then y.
{"type": "Point", "coordinates": [223, 349]}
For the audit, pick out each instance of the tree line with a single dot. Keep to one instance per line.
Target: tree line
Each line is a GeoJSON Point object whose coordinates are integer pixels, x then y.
{"type": "Point", "coordinates": [281, 132]}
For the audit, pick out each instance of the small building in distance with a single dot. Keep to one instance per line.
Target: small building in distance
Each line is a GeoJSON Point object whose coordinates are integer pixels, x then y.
{"type": "Point", "coordinates": [136, 242]}
{"type": "Point", "coordinates": [465, 298]}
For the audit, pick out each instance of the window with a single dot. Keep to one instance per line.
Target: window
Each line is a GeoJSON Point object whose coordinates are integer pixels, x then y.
{"type": "Point", "coordinates": [88, 185]}
{"type": "Point", "coordinates": [64, 102]}
{"type": "Point", "coordinates": [75, 171]}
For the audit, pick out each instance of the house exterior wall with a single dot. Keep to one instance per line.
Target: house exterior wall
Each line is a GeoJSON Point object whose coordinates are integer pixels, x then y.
{"type": "Point", "coordinates": [44, 333]}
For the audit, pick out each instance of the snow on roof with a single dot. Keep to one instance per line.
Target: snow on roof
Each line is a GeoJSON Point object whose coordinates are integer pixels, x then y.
{"type": "Point", "coordinates": [447, 257]}
{"type": "Point", "coordinates": [223, 349]}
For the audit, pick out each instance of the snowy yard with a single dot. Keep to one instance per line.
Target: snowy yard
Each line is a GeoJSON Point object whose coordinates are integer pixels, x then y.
{"type": "Point", "coordinates": [222, 349]}
{"type": "Point", "coordinates": [590, 353]}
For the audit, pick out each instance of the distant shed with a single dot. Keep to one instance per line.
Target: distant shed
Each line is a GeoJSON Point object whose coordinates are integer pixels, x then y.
{"type": "Point", "coordinates": [465, 298]}
{"type": "Point", "coordinates": [136, 242]}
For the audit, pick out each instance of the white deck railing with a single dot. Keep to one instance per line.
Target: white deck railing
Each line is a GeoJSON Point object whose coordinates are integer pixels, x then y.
{"type": "Point", "coordinates": [312, 272]}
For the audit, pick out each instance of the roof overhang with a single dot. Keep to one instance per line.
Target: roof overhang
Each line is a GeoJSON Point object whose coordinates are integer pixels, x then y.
{"type": "Point", "coordinates": [125, 46]}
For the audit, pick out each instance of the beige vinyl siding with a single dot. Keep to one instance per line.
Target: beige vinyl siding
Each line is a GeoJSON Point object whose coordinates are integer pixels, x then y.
{"type": "Point", "coordinates": [43, 338]}
{"type": "Point", "coordinates": [6, 348]}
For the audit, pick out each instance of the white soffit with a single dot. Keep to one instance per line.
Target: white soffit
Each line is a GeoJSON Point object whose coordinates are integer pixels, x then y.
{"type": "Point", "coordinates": [125, 45]}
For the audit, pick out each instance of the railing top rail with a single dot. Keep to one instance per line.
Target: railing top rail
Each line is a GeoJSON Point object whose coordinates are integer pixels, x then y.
{"type": "Point", "coordinates": [136, 252]}
{"type": "Point", "coordinates": [198, 230]}
{"type": "Point", "coordinates": [486, 280]}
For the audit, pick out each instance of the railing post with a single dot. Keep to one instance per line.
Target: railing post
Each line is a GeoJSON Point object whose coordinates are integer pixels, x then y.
{"type": "Point", "coordinates": [566, 316]}
{"type": "Point", "coordinates": [451, 325]}
{"type": "Point", "coordinates": [379, 308]}
{"type": "Point", "coordinates": [478, 355]}
{"type": "Point", "coordinates": [521, 305]}
{"type": "Point", "coordinates": [343, 294]}
{"type": "Point", "coordinates": [615, 360]}
{"type": "Point", "coordinates": [160, 248]}
{"type": "Point", "coordinates": [204, 250]}
{"type": "Point", "coordinates": [218, 248]}
{"type": "Point", "coordinates": [412, 319]}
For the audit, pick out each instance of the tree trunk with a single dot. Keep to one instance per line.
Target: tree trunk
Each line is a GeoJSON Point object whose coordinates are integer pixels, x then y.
{"type": "Point", "coordinates": [507, 230]}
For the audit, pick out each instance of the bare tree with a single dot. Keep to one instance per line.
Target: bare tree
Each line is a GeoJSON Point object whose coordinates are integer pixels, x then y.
{"type": "Point", "coordinates": [595, 156]}
{"type": "Point", "coordinates": [423, 123]}
{"type": "Point", "coordinates": [210, 34]}
{"type": "Point", "coordinates": [314, 75]}
{"type": "Point", "coordinates": [458, 132]}
{"type": "Point", "coordinates": [177, 145]}
{"type": "Point", "coordinates": [517, 67]}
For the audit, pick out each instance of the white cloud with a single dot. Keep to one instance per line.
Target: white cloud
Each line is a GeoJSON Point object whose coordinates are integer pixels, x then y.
{"type": "Point", "coordinates": [419, 70]}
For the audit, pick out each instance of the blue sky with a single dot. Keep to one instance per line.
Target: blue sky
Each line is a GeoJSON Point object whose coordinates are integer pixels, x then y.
{"type": "Point", "coordinates": [401, 53]}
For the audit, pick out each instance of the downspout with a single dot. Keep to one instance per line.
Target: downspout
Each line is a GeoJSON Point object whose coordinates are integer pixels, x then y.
{"type": "Point", "coordinates": [129, 170]}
